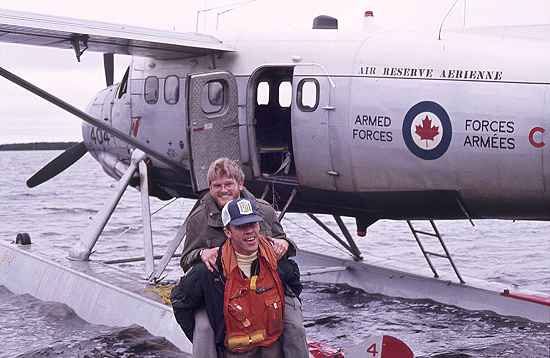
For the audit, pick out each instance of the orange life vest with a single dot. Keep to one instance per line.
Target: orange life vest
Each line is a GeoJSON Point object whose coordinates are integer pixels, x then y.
{"type": "Point", "coordinates": [252, 307]}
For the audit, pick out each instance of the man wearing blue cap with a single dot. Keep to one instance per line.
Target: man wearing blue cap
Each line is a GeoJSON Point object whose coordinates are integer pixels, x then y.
{"type": "Point", "coordinates": [244, 296]}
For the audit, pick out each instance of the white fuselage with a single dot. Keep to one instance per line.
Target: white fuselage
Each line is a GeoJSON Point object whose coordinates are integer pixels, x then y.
{"type": "Point", "coordinates": [395, 113]}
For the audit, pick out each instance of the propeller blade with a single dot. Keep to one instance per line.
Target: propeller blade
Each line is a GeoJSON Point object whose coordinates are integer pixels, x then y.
{"type": "Point", "coordinates": [59, 164]}
{"type": "Point", "coordinates": [109, 66]}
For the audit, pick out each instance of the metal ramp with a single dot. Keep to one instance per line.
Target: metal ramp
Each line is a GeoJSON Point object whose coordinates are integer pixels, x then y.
{"type": "Point", "coordinates": [427, 254]}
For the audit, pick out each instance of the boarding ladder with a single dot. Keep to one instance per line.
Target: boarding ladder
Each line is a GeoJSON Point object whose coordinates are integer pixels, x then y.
{"type": "Point", "coordinates": [427, 254]}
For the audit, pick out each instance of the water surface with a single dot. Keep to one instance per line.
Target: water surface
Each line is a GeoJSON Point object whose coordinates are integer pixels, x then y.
{"type": "Point", "coordinates": [515, 254]}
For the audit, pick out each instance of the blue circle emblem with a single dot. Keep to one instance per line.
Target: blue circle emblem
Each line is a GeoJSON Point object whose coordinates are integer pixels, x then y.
{"type": "Point", "coordinates": [427, 130]}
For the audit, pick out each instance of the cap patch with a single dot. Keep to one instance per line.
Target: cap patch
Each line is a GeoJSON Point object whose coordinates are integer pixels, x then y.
{"type": "Point", "coordinates": [245, 208]}
{"type": "Point", "coordinates": [239, 212]}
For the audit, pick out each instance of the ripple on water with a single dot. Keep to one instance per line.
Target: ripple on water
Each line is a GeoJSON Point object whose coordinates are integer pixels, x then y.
{"type": "Point", "coordinates": [495, 248]}
{"type": "Point", "coordinates": [69, 211]}
{"type": "Point", "coordinates": [431, 329]}
{"type": "Point", "coordinates": [53, 329]}
{"type": "Point", "coordinates": [133, 341]}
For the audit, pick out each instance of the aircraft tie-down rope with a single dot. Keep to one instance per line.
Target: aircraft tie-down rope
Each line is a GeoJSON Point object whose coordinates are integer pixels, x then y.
{"type": "Point", "coordinates": [317, 236]}
{"type": "Point", "coordinates": [286, 218]}
{"type": "Point", "coordinates": [130, 227]}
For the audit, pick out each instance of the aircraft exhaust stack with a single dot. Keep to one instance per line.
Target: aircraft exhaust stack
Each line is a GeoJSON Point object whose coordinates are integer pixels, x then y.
{"type": "Point", "coordinates": [324, 22]}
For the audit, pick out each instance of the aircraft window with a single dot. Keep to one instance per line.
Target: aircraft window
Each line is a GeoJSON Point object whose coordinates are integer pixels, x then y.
{"type": "Point", "coordinates": [285, 94]}
{"type": "Point", "coordinates": [308, 94]}
{"type": "Point", "coordinates": [172, 89]}
{"type": "Point", "coordinates": [123, 87]}
{"type": "Point", "coordinates": [212, 97]}
{"type": "Point", "coordinates": [262, 93]}
{"type": "Point", "coordinates": [151, 93]}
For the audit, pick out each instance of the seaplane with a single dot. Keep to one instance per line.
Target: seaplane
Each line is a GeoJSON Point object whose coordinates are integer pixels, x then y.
{"type": "Point", "coordinates": [373, 124]}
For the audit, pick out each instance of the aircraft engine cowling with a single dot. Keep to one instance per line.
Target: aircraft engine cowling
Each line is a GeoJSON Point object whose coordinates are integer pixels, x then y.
{"type": "Point", "coordinates": [113, 154]}
{"type": "Point", "coordinates": [104, 108]}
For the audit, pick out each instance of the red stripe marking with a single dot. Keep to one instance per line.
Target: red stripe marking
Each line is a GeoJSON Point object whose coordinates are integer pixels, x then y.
{"type": "Point", "coordinates": [525, 297]}
{"type": "Point", "coordinates": [316, 350]}
{"type": "Point", "coordinates": [395, 348]}
{"type": "Point", "coordinates": [134, 127]}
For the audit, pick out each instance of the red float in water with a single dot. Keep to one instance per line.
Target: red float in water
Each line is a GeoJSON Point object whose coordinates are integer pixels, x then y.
{"type": "Point", "coordinates": [372, 347]}
{"type": "Point", "coordinates": [525, 297]}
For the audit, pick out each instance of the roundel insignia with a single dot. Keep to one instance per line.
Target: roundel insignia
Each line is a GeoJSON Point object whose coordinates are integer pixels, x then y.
{"type": "Point", "coordinates": [427, 130]}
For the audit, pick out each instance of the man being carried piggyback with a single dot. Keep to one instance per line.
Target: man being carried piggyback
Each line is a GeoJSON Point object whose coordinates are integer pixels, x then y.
{"type": "Point", "coordinates": [205, 235]}
{"type": "Point", "coordinates": [244, 296]}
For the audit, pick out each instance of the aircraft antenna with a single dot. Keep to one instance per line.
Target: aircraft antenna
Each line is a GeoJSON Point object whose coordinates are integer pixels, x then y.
{"type": "Point", "coordinates": [238, 6]}
{"type": "Point", "coordinates": [227, 7]}
{"type": "Point", "coordinates": [445, 18]}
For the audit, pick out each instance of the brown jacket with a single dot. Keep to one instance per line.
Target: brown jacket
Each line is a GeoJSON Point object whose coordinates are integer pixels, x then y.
{"type": "Point", "coordinates": [205, 229]}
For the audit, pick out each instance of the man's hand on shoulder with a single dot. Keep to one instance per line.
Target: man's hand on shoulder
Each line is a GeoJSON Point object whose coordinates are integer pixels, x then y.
{"type": "Point", "coordinates": [209, 257]}
{"type": "Point", "coordinates": [280, 247]}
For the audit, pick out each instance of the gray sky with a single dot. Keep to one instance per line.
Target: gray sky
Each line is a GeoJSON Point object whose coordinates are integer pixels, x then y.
{"type": "Point", "coordinates": [25, 117]}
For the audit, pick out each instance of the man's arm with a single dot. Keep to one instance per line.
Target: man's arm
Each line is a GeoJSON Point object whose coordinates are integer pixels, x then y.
{"type": "Point", "coordinates": [193, 243]}
{"type": "Point", "coordinates": [196, 247]}
{"type": "Point", "coordinates": [278, 233]}
{"type": "Point", "coordinates": [289, 272]}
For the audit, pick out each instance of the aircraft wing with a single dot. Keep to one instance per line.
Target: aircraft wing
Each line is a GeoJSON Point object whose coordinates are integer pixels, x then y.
{"type": "Point", "coordinates": [63, 32]}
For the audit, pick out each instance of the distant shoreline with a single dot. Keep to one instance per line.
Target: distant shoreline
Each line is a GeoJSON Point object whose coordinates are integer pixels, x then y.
{"type": "Point", "coordinates": [37, 146]}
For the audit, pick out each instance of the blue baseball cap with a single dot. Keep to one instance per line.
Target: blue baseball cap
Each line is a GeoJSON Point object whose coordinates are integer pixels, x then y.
{"type": "Point", "coordinates": [239, 212]}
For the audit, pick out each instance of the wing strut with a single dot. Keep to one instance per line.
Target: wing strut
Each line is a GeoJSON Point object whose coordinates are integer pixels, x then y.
{"type": "Point", "coordinates": [76, 40]}
{"type": "Point", "coordinates": [89, 119]}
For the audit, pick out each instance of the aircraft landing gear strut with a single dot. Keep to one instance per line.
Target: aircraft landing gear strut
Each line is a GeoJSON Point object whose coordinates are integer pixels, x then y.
{"type": "Point", "coordinates": [349, 244]}
{"type": "Point", "coordinates": [83, 249]}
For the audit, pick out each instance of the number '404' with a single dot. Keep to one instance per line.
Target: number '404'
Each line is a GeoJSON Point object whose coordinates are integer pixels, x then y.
{"type": "Point", "coordinates": [99, 136]}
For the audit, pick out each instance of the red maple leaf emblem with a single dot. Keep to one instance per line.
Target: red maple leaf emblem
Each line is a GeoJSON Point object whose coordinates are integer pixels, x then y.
{"type": "Point", "coordinates": [426, 131]}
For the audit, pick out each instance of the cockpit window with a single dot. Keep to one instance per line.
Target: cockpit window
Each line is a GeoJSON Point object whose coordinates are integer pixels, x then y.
{"type": "Point", "coordinates": [171, 89]}
{"type": "Point", "coordinates": [123, 87]}
{"type": "Point", "coordinates": [151, 91]}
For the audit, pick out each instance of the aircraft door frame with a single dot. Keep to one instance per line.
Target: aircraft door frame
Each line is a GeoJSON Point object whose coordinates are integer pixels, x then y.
{"type": "Point", "coordinates": [311, 130]}
{"type": "Point", "coordinates": [213, 123]}
{"type": "Point", "coordinates": [539, 139]}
